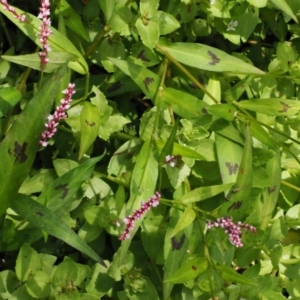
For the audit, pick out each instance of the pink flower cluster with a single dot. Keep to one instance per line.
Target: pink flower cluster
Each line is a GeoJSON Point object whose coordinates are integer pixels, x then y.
{"type": "Point", "coordinates": [137, 214]}
{"type": "Point", "coordinates": [234, 230]}
{"type": "Point", "coordinates": [13, 11]}
{"type": "Point", "coordinates": [45, 31]}
{"type": "Point", "coordinates": [60, 113]}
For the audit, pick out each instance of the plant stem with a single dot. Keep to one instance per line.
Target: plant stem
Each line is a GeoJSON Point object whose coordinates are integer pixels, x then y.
{"type": "Point", "coordinates": [96, 42]}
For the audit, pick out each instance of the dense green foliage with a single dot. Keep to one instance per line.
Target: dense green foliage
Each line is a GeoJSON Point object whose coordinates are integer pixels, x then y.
{"type": "Point", "coordinates": [198, 100]}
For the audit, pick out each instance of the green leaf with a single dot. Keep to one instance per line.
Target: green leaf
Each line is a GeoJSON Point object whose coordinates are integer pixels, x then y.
{"type": "Point", "coordinates": [185, 220]}
{"type": "Point", "coordinates": [230, 155]}
{"type": "Point", "coordinates": [174, 249]}
{"type": "Point", "coordinates": [148, 8]}
{"type": "Point", "coordinates": [188, 271]}
{"type": "Point", "coordinates": [57, 41]}
{"type": "Point", "coordinates": [238, 204]}
{"type": "Point", "coordinates": [205, 192]}
{"type": "Point", "coordinates": [147, 81]}
{"type": "Point", "coordinates": [225, 111]}
{"type": "Point", "coordinates": [9, 97]}
{"type": "Point", "coordinates": [33, 60]}
{"type": "Point", "coordinates": [89, 126]}
{"type": "Point", "coordinates": [72, 19]}
{"type": "Point", "coordinates": [18, 148]}
{"type": "Point", "coordinates": [28, 263]}
{"type": "Point", "coordinates": [148, 31]}
{"type": "Point", "coordinates": [206, 58]}
{"type": "Point", "coordinates": [229, 274]}
{"type": "Point", "coordinates": [168, 147]}
{"type": "Point", "coordinates": [270, 194]}
{"type": "Point", "coordinates": [120, 19]}
{"type": "Point", "coordinates": [166, 22]}
{"type": "Point", "coordinates": [181, 150]}
{"type": "Point", "coordinates": [263, 136]}
{"type": "Point", "coordinates": [107, 7]}
{"type": "Point", "coordinates": [185, 105]}
{"type": "Point", "coordinates": [44, 219]}
{"type": "Point", "coordinates": [38, 285]}
{"type": "Point", "coordinates": [61, 190]}
{"type": "Point", "coordinates": [273, 106]}
{"type": "Point", "coordinates": [281, 4]}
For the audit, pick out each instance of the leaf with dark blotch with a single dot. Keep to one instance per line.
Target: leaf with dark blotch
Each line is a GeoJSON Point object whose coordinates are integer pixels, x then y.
{"type": "Point", "coordinates": [143, 57]}
{"type": "Point", "coordinates": [232, 168]}
{"type": "Point", "coordinates": [204, 111]}
{"type": "Point", "coordinates": [272, 189]}
{"type": "Point", "coordinates": [39, 213]}
{"type": "Point", "coordinates": [64, 189]}
{"type": "Point", "coordinates": [235, 205]}
{"type": "Point", "coordinates": [194, 268]}
{"type": "Point", "coordinates": [19, 152]}
{"type": "Point", "coordinates": [214, 59]}
{"type": "Point", "coordinates": [90, 123]}
{"type": "Point", "coordinates": [116, 86]}
{"type": "Point", "coordinates": [177, 244]}
{"type": "Point", "coordinates": [285, 107]}
{"type": "Point", "coordinates": [147, 81]}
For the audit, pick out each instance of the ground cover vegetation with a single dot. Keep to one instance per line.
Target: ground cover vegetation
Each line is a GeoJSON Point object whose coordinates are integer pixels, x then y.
{"type": "Point", "coordinates": [149, 149]}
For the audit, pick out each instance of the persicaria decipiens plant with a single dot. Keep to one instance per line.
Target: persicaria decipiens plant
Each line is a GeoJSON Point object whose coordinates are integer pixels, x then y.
{"type": "Point", "coordinates": [60, 113]}
{"type": "Point", "coordinates": [137, 214]}
{"type": "Point", "coordinates": [233, 230]}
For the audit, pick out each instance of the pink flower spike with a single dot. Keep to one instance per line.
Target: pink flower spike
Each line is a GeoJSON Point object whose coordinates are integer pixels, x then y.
{"type": "Point", "coordinates": [233, 230]}
{"type": "Point", "coordinates": [59, 114]}
{"type": "Point", "coordinates": [137, 214]}
{"type": "Point", "coordinates": [9, 8]}
{"type": "Point", "coordinates": [45, 31]}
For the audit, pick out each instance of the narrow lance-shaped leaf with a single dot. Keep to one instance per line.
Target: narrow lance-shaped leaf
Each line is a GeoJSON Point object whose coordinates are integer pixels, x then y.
{"type": "Point", "coordinates": [282, 4]}
{"type": "Point", "coordinates": [186, 219]}
{"type": "Point", "coordinates": [237, 198]}
{"type": "Point", "coordinates": [206, 58]}
{"type": "Point", "coordinates": [270, 194]}
{"type": "Point", "coordinates": [90, 122]}
{"type": "Point", "coordinates": [174, 250]}
{"type": "Point", "coordinates": [18, 149]}
{"type": "Point", "coordinates": [46, 220]}
{"type": "Point", "coordinates": [272, 107]}
{"type": "Point", "coordinates": [205, 192]}
{"type": "Point", "coordinates": [61, 191]}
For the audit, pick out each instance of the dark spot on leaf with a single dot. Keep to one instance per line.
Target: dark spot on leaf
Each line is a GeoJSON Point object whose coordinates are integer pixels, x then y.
{"type": "Point", "coordinates": [39, 213]}
{"type": "Point", "coordinates": [67, 17]}
{"type": "Point", "coordinates": [177, 244]}
{"type": "Point", "coordinates": [204, 110]}
{"type": "Point", "coordinates": [232, 168]}
{"type": "Point", "coordinates": [231, 192]}
{"type": "Point", "coordinates": [147, 81]}
{"type": "Point", "coordinates": [142, 56]}
{"type": "Point", "coordinates": [214, 59]}
{"type": "Point", "coordinates": [116, 86]}
{"type": "Point", "coordinates": [235, 205]}
{"type": "Point", "coordinates": [19, 152]}
{"type": "Point", "coordinates": [285, 107]}
{"type": "Point", "coordinates": [64, 188]}
{"type": "Point", "coordinates": [194, 268]}
{"type": "Point", "coordinates": [272, 189]}
{"type": "Point", "coordinates": [242, 171]}
{"type": "Point", "coordinates": [192, 85]}
{"type": "Point", "coordinates": [190, 9]}
{"type": "Point", "coordinates": [90, 124]}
